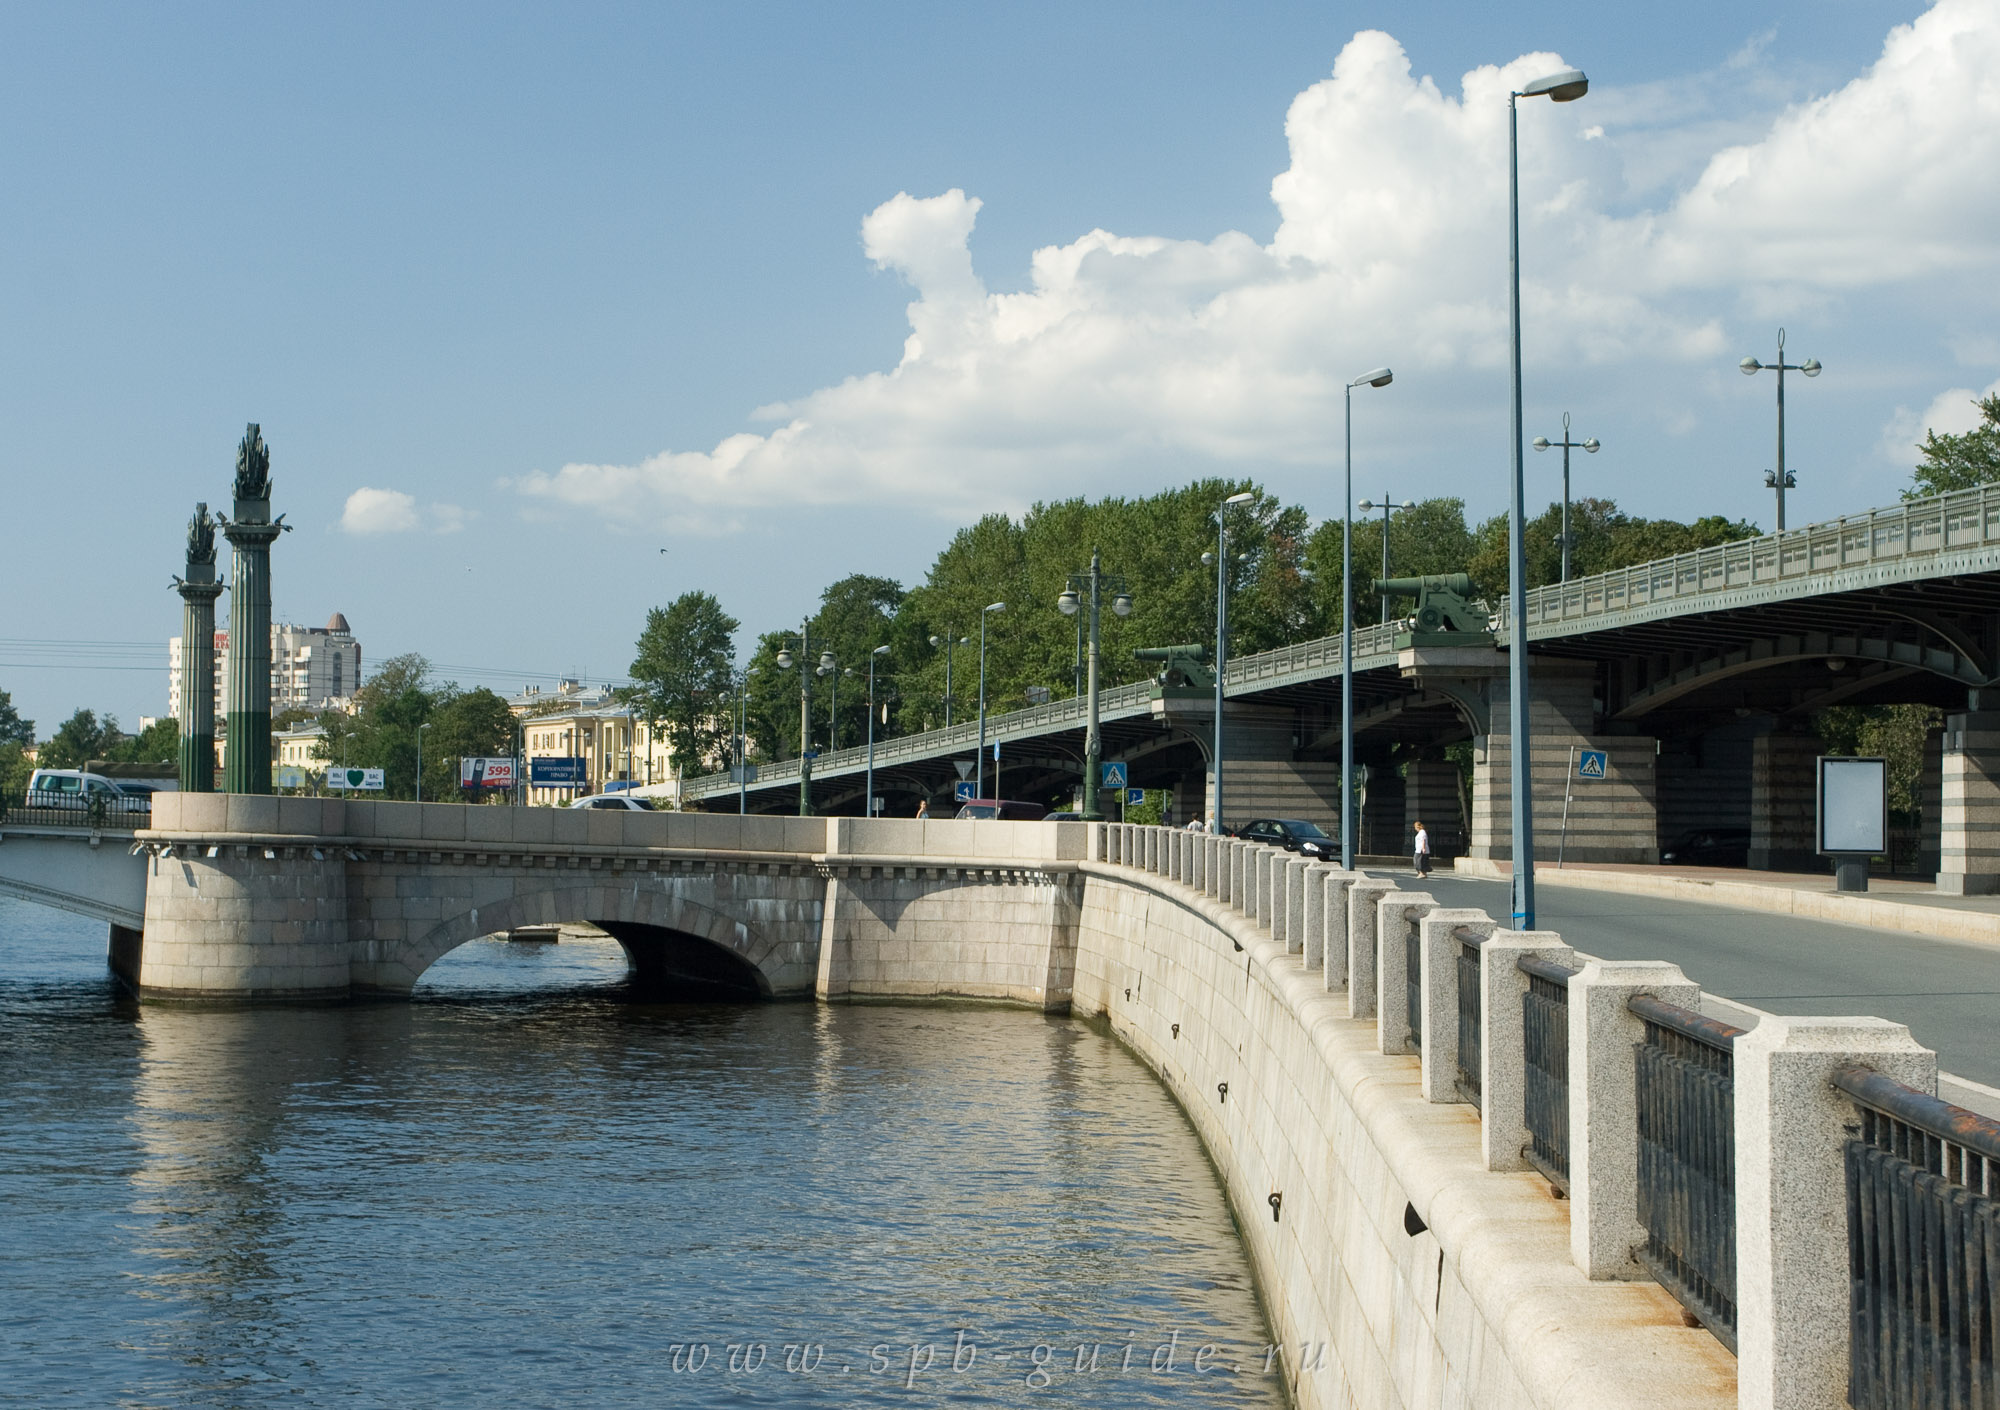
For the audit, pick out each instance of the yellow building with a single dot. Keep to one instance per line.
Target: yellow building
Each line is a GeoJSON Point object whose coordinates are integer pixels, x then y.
{"type": "Point", "coordinates": [618, 750]}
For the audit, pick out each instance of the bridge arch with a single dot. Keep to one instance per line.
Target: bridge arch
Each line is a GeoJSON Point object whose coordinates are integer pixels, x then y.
{"type": "Point", "coordinates": [663, 933]}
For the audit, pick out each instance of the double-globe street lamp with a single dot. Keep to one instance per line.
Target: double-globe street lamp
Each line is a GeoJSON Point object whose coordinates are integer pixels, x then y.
{"type": "Point", "coordinates": [1380, 377]}
{"type": "Point", "coordinates": [1222, 575]}
{"type": "Point", "coordinates": [1589, 444]}
{"type": "Point", "coordinates": [1780, 479]}
{"type": "Point", "coordinates": [1564, 87]}
{"type": "Point", "coordinates": [948, 641]}
{"type": "Point", "coordinates": [785, 662]}
{"type": "Point", "coordinates": [868, 788]}
{"type": "Point", "coordinates": [743, 739]}
{"type": "Point", "coordinates": [1386, 505]}
{"type": "Point", "coordinates": [420, 759]}
{"type": "Point", "coordinates": [1095, 583]}
{"type": "Point", "coordinates": [979, 789]}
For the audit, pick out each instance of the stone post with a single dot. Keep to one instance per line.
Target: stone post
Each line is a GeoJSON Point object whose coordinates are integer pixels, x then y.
{"type": "Point", "coordinates": [1438, 985]}
{"type": "Point", "coordinates": [1271, 864]}
{"type": "Point", "coordinates": [1232, 895]}
{"type": "Point", "coordinates": [1312, 914]}
{"type": "Point", "coordinates": [1503, 1058]}
{"type": "Point", "coordinates": [1969, 820]}
{"type": "Point", "coordinates": [1791, 1196]}
{"type": "Point", "coordinates": [1397, 918]}
{"type": "Point", "coordinates": [246, 766]}
{"type": "Point", "coordinates": [1214, 877]}
{"type": "Point", "coordinates": [1334, 910]}
{"type": "Point", "coordinates": [1362, 896]}
{"type": "Point", "coordinates": [198, 591]}
{"type": "Point", "coordinates": [1294, 912]}
{"type": "Point", "coordinates": [1604, 1223]}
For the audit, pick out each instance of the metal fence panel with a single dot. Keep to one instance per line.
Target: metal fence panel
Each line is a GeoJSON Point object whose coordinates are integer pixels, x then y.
{"type": "Point", "coordinates": [1545, 1055]}
{"type": "Point", "coordinates": [1471, 1031]}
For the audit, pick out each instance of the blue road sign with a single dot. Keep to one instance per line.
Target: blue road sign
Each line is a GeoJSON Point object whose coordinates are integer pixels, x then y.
{"type": "Point", "coordinates": [1114, 776]}
{"type": "Point", "coordinates": [964, 792]}
{"type": "Point", "coordinates": [1135, 796]}
{"type": "Point", "coordinates": [557, 772]}
{"type": "Point", "coordinates": [1591, 763]}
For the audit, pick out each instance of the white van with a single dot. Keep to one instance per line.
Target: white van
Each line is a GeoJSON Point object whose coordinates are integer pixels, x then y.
{"type": "Point", "coordinates": [74, 789]}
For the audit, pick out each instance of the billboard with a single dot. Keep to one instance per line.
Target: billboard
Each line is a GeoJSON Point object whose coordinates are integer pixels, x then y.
{"type": "Point", "coordinates": [354, 778]}
{"type": "Point", "coordinates": [1853, 805]}
{"type": "Point", "coordinates": [557, 772]}
{"type": "Point", "coordinates": [485, 773]}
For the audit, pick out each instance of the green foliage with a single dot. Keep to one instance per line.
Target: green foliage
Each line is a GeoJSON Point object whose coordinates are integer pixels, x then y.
{"type": "Point", "coordinates": [682, 678]}
{"type": "Point", "coordinates": [81, 738]}
{"type": "Point", "coordinates": [13, 729]}
{"type": "Point", "coordinates": [1892, 732]}
{"type": "Point", "coordinates": [1428, 537]}
{"type": "Point", "coordinates": [1963, 461]}
{"type": "Point", "coordinates": [856, 615]}
{"type": "Point", "coordinates": [157, 743]}
{"type": "Point", "coordinates": [1605, 538]}
{"type": "Point", "coordinates": [15, 769]}
{"type": "Point", "coordinates": [398, 700]}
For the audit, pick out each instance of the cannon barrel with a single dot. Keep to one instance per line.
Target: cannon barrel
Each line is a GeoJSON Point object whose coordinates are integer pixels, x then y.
{"type": "Point", "coordinates": [1459, 584]}
{"type": "Point", "coordinates": [1171, 653]}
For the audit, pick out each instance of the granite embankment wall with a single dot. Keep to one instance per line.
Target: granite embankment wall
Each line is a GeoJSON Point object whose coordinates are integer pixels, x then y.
{"type": "Point", "coordinates": [1397, 1270]}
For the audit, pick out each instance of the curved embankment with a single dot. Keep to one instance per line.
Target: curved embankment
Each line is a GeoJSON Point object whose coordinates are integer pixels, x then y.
{"type": "Point", "coordinates": [1396, 1269]}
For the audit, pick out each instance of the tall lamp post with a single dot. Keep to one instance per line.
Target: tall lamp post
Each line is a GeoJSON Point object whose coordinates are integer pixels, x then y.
{"type": "Point", "coordinates": [1096, 583]}
{"type": "Point", "coordinates": [1589, 443]}
{"type": "Point", "coordinates": [830, 668]}
{"type": "Point", "coordinates": [1564, 87]}
{"type": "Point", "coordinates": [868, 789]}
{"type": "Point", "coordinates": [948, 642]}
{"type": "Point", "coordinates": [743, 740]}
{"type": "Point", "coordinates": [785, 662]}
{"type": "Point", "coordinates": [420, 759]}
{"type": "Point", "coordinates": [980, 787]}
{"type": "Point", "coordinates": [1369, 506]}
{"type": "Point", "coordinates": [1780, 479]}
{"type": "Point", "coordinates": [1380, 377]}
{"type": "Point", "coordinates": [1222, 566]}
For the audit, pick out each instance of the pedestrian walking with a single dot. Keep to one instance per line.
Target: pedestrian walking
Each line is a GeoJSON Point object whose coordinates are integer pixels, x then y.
{"type": "Point", "coordinates": [923, 807]}
{"type": "Point", "coordinates": [1423, 852]}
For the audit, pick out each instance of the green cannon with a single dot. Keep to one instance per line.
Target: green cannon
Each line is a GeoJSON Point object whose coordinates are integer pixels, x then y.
{"type": "Point", "coordinates": [1447, 613]}
{"type": "Point", "coordinates": [1185, 670]}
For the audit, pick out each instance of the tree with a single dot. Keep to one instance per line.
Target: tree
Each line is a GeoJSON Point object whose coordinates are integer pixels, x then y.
{"type": "Point", "coordinates": [382, 731]}
{"type": "Point", "coordinates": [1961, 461]}
{"type": "Point", "coordinates": [13, 729]}
{"type": "Point", "coordinates": [465, 724]}
{"type": "Point", "coordinates": [682, 675]}
{"type": "Point", "coordinates": [1895, 733]}
{"type": "Point", "coordinates": [157, 743]}
{"type": "Point", "coordinates": [78, 740]}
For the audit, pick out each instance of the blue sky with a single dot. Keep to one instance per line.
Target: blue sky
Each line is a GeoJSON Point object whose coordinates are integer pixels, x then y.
{"type": "Point", "coordinates": [443, 253]}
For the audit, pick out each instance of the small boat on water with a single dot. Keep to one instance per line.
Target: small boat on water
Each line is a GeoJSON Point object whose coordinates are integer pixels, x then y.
{"type": "Point", "coordinates": [535, 934]}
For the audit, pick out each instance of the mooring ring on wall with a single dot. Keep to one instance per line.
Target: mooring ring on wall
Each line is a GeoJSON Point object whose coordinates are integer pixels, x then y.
{"type": "Point", "coordinates": [1222, 1090]}
{"type": "Point", "coordinates": [1275, 1199]}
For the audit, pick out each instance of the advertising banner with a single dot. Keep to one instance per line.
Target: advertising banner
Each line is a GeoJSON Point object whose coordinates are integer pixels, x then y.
{"type": "Point", "coordinates": [354, 778]}
{"type": "Point", "coordinates": [485, 773]}
{"type": "Point", "coordinates": [557, 772]}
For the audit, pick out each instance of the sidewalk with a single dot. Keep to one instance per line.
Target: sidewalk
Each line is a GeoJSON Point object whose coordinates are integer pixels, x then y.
{"type": "Point", "coordinates": [1913, 907]}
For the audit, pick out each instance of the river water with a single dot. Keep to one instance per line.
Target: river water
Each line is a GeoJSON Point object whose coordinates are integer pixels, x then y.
{"type": "Point", "coordinates": [528, 1188]}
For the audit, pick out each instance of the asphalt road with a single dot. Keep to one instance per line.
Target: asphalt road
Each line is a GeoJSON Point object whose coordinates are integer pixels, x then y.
{"type": "Point", "coordinates": [1947, 991]}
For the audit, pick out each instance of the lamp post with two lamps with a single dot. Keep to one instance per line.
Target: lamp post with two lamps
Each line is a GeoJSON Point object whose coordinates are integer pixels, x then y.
{"type": "Point", "coordinates": [1386, 504]}
{"type": "Point", "coordinates": [868, 788]}
{"type": "Point", "coordinates": [1220, 559]}
{"type": "Point", "coordinates": [743, 740]}
{"type": "Point", "coordinates": [1564, 87]}
{"type": "Point", "coordinates": [1780, 479]}
{"type": "Point", "coordinates": [1589, 444]}
{"type": "Point", "coordinates": [1096, 583]}
{"type": "Point", "coordinates": [991, 607]}
{"type": "Point", "coordinates": [1380, 377]}
{"type": "Point", "coordinates": [420, 759]}
{"type": "Point", "coordinates": [785, 662]}
{"type": "Point", "coordinates": [948, 641]}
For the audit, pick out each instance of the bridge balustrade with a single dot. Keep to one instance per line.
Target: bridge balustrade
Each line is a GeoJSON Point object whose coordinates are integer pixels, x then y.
{"type": "Point", "coordinates": [127, 812]}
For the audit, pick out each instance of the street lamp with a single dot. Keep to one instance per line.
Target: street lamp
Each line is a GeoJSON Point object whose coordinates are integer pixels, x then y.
{"type": "Point", "coordinates": [785, 663]}
{"type": "Point", "coordinates": [1564, 87]}
{"type": "Point", "coordinates": [868, 789]}
{"type": "Point", "coordinates": [1780, 479]}
{"type": "Point", "coordinates": [1221, 637]}
{"type": "Point", "coordinates": [1096, 583]}
{"type": "Point", "coordinates": [948, 642]}
{"type": "Point", "coordinates": [1386, 505]}
{"type": "Point", "coordinates": [1380, 377]}
{"type": "Point", "coordinates": [830, 668]}
{"type": "Point", "coordinates": [742, 741]}
{"type": "Point", "coordinates": [980, 787]}
{"type": "Point", "coordinates": [1543, 443]}
{"type": "Point", "coordinates": [420, 759]}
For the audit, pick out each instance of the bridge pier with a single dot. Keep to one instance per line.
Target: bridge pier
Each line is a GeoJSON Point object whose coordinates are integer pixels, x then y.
{"type": "Point", "coordinates": [1783, 800]}
{"type": "Point", "coordinates": [1969, 820]}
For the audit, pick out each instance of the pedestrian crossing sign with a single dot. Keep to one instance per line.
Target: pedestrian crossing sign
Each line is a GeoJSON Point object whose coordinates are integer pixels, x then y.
{"type": "Point", "coordinates": [1114, 776]}
{"type": "Point", "coordinates": [1591, 763]}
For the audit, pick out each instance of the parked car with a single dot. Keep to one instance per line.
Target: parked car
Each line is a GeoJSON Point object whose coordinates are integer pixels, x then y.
{"type": "Point", "coordinates": [1065, 816]}
{"type": "Point", "coordinates": [1292, 834]}
{"type": "Point", "coordinates": [1709, 847]}
{"type": "Point", "coordinates": [74, 789]}
{"type": "Point", "coordinates": [621, 802]}
{"type": "Point", "coordinates": [1007, 810]}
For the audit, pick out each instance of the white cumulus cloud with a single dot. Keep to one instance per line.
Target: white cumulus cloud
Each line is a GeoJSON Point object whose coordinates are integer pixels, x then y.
{"type": "Point", "coordinates": [1951, 413]}
{"type": "Point", "coordinates": [1128, 354]}
{"type": "Point", "coordinates": [373, 511]}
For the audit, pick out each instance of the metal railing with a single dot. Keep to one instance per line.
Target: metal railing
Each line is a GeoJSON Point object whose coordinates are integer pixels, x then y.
{"type": "Point", "coordinates": [1923, 1231]}
{"type": "Point", "coordinates": [1686, 1098]}
{"type": "Point", "coordinates": [1471, 1028]}
{"type": "Point", "coordinates": [1545, 1056]}
{"type": "Point", "coordinates": [128, 811]}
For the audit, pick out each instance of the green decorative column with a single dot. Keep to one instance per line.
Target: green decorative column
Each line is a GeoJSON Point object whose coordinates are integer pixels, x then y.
{"type": "Point", "coordinates": [198, 591]}
{"type": "Point", "coordinates": [246, 759]}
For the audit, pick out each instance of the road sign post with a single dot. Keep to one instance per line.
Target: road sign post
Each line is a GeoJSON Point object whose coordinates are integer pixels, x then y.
{"type": "Point", "coordinates": [1586, 763]}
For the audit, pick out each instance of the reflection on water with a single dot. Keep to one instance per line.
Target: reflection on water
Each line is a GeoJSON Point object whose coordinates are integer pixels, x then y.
{"type": "Point", "coordinates": [526, 1185]}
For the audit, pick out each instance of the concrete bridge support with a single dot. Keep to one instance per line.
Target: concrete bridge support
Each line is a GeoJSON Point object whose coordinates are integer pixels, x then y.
{"type": "Point", "coordinates": [1969, 841]}
{"type": "Point", "coordinates": [1783, 800]}
{"type": "Point", "coordinates": [1432, 794]}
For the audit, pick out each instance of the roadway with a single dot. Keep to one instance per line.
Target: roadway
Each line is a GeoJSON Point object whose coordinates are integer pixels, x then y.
{"type": "Point", "coordinates": [1947, 991]}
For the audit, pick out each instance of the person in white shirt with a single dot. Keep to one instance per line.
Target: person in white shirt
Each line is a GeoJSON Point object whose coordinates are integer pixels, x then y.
{"type": "Point", "coordinates": [1423, 850]}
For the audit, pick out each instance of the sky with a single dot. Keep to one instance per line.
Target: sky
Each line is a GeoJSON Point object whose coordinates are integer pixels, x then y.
{"type": "Point", "coordinates": [523, 295]}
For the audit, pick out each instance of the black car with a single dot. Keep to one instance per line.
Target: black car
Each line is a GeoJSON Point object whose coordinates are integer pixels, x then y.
{"type": "Point", "coordinates": [1709, 847]}
{"type": "Point", "coordinates": [1292, 834]}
